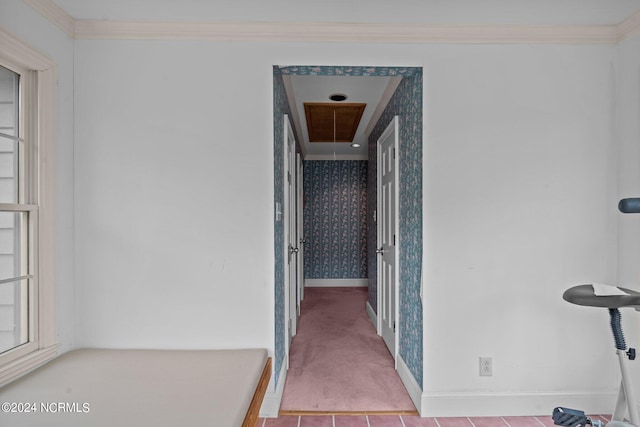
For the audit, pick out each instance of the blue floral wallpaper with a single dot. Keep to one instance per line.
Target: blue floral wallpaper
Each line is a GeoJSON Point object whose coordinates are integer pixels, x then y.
{"type": "Point", "coordinates": [407, 104]}
{"type": "Point", "coordinates": [280, 108]}
{"type": "Point", "coordinates": [335, 219]}
{"type": "Point", "coordinates": [310, 70]}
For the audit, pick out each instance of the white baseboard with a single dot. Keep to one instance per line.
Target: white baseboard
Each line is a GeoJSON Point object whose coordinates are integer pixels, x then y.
{"type": "Point", "coordinates": [336, 283]}
{"type": "Point", "coordinates": [272, 398]}
{"type": "Point", "coordinates": [511, 404]}
{"type": "Point", "coordinates": [372, 315]}
{"type": "Point", "coordinates": [410, 383]}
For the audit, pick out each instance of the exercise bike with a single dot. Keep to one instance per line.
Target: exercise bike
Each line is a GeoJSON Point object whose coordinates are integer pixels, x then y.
{"type": "Point", "coordinates": [613, 298]}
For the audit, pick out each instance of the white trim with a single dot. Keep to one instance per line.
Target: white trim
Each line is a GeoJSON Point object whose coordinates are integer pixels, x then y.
{"type": "Point", "coordinates": [15, 207]}
{"type": "Point", "coordinates": [372, 315]}
{"type": "Point", "coordinates": [629, 27]}
{"type": "Point", "coordinates": [347, 32]}
{"type": "Point", "coordinates": [47, 162]}
{"type": "Point", "coordinates": [21, 54]}
{"type": "Point", "coordinates": [338, 32]}
{"type": "Point", "coordinates": [512, 404]}
{"type": "Point", "coordinates": [272, 398]}
{"type": "Point", "coordinates": [42, 74]}
{"type": "Point", "coordinates": [55, 14]}
{"type": "Point", "coordinates": [336, 283]}
{"type": "Point", "coordinates": [413, 388]}
{"type": "Point", "coordinates": [17, 368]}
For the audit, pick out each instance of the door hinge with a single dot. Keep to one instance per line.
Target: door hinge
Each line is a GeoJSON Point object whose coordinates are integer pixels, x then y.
{"type": "Point", "coordinates": [394, 240]}
{"type": "Point", "coordinates": [394, 152]}
{"type": "Point", "coordinates": [394, 326]}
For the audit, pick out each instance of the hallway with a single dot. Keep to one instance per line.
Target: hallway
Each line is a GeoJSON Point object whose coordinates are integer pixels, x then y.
{"type": "Point", "coordinates": [338, 364]}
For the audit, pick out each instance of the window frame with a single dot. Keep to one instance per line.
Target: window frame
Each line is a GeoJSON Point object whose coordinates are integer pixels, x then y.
{"type": "Point", "coordinates": [40, 132]}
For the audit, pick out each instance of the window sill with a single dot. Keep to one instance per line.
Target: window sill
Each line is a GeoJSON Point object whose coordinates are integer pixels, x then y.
{"type": "Point", "coordinates": [29, 362]}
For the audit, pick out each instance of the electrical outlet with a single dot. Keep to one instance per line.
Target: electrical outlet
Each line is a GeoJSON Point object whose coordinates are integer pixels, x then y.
{"type": "Point", "coordinates": [486, 366]}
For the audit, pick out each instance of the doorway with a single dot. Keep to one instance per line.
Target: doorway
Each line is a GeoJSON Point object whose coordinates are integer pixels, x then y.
{"type": "Point", "coordinates": [406, 102]}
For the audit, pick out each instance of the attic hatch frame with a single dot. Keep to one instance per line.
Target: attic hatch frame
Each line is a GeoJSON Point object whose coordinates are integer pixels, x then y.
{"type": "Point", "coordinates": [323, 119]}
{"type": "Point", "coordinates": [411, 348]}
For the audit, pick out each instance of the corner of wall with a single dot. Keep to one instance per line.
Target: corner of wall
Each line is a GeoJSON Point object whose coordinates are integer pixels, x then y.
{"type": "Point", "coordinates": [272, 399]}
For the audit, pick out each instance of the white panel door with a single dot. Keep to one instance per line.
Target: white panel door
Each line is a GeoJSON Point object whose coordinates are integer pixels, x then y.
{"type": "Point", "coordinates": [290, 232]}
{"type": "Point", "coordinates": [388, 235]}
{"type": "Point", "coordinates": [300, 231]}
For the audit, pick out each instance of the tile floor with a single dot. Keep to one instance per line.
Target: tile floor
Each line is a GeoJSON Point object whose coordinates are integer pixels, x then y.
{"type": "Point", "coordinates": [407, 421]}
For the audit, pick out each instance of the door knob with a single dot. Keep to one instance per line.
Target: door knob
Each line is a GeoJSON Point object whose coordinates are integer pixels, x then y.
{"type": "Point", "coordinates": [380, 250]}
{"type": "Point", "coordinates": [293, 250]}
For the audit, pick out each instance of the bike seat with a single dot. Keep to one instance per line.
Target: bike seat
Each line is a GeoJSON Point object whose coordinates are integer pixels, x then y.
{"type": "Point", "coordinates": [607, 296]}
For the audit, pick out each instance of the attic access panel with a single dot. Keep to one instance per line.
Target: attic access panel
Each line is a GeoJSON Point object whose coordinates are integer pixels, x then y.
{"type": "Point", "coordinates": [320, 121]}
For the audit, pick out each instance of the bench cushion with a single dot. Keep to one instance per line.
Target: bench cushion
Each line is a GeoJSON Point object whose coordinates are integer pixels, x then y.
{"type": "Point", "coordinates": [104, 387]}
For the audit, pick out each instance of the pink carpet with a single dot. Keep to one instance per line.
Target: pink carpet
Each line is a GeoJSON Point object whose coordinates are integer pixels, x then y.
{"type": "Point", "coordinates": [337, 361]}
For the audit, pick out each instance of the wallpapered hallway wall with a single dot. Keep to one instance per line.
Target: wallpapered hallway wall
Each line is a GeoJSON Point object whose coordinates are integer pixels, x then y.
{"type": "Point", "coordinates": [406, 103]}
{"type": "Point", "coordinates": [335, 219]}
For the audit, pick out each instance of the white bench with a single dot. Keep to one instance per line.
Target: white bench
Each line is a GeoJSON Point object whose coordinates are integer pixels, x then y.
{"type": "Point", "coordinates": [173, 388]}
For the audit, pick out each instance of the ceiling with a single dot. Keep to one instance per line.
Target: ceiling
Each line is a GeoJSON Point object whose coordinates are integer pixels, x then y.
{"type": "Point", "coordinates": [374, 91]}
{"type": "Point", "coordinates": [568, 12]}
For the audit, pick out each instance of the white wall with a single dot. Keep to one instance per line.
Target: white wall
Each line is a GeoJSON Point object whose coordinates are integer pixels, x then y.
{"type": "Point", "coordinates": [628, 136]}
{"type": "Point", "coordinates": [174, 204]}
{"type": "Point", "coordinates": [520, 204]}
{"type": "Point", "coordinates": [174, 195]}
{"type": "Point", "coordinates": [40, 34]}
{"type": "Point", "coordinates": [628, 114]}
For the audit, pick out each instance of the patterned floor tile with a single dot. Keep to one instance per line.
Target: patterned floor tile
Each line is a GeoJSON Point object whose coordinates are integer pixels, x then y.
{"type": "Point", "coordinates": [546, 420]}
{"type": "Point", "coordinates": [523, 422]}
{"type": "Point", "coordinates": [316, 421]}
{"type": "Point", "coordinates": [385, 421]}
{"type": "Point", "coordinates": [488, 422]}
{"type": "Point", "coordinates": [351, 421]}
{"type": "Point", "coordinates": [282, 421]}
{"type": "Point", "coordinates": [416, 421]}
{"type": "Point", "coordinates": [454, 422]}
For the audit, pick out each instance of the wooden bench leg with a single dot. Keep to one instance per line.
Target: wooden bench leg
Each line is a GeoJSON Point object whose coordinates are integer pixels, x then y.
{"type": "Point", "coordinates": [251, 419]}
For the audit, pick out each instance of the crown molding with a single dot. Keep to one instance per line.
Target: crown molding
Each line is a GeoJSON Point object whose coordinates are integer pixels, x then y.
{"type": "Point", "coordinates": [338, 32]}
{"type": "Point", "coordinates": [55, 14]}
{"type": "Point", "coordinates": [630, 27]}
{"type": "Point", "coordinates": [346, 32]}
